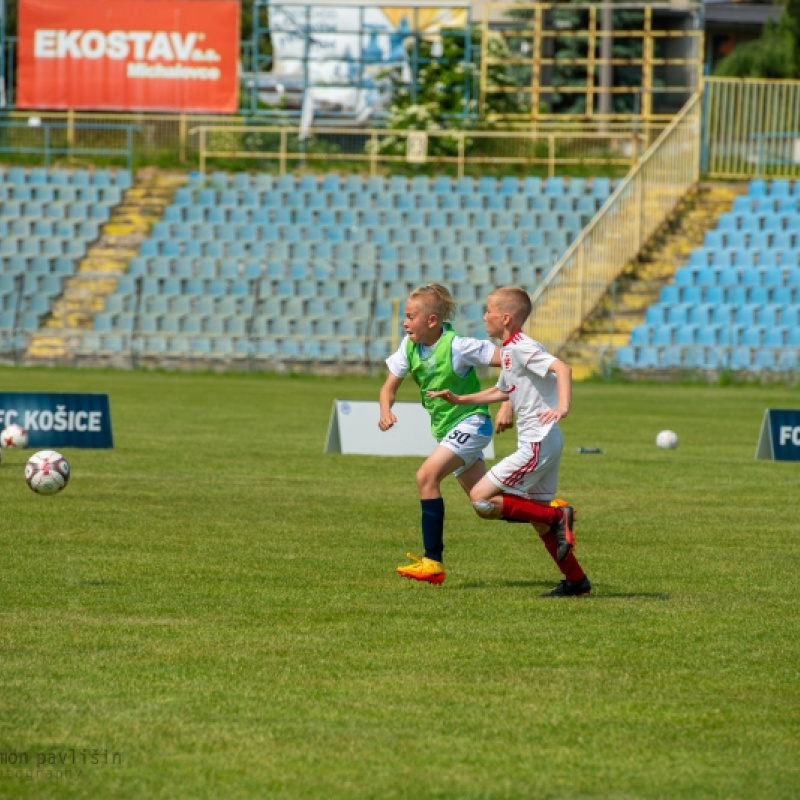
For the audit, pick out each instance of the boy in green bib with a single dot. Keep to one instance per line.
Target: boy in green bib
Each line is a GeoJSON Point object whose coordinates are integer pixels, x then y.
{"type": "Point", "coordinates": [438, 358]}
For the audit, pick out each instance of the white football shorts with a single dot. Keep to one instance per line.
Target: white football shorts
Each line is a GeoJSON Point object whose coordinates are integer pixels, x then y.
{"type": "Point", "coordinates": [531, 471]}
{"type": "Point", "coordinates": [468, 438]}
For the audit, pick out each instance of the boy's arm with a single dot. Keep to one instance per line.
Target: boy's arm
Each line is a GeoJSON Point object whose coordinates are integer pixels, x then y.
{"type": "Point", "coordinates": [563, 373]}
{"type": "Point", "coordinates": [504, 418]}
{"type": "Point", "coordinates": [505, 414]}
{"type": "Point", "coordinates": [492, 395]}
{"type": "Point", "coordinates": [386, 401]}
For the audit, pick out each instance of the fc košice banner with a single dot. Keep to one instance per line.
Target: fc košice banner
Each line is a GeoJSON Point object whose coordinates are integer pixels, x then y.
{"type": "Point", "coordinates": [54, 420]}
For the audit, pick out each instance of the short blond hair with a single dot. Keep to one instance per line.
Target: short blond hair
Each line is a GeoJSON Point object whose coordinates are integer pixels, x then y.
{"type": "Point", "coordinates": [435, 299]}
{"type": "Point", "coordinates": [512, 300]}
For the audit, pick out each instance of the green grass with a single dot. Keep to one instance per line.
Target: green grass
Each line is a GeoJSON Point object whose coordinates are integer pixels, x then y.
{"type": "Point", "coordinates": [215, 601]}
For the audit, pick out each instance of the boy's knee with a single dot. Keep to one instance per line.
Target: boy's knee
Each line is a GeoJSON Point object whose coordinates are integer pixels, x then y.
{"type": "Point", "coordinates": [542, 529]}
{"type": "Point", "coordinates": [426, 479]}
{"type": "Point", "coordinates": [483, 508]}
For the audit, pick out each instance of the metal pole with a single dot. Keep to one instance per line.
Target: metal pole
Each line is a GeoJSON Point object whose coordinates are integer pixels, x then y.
{"type": "Point", "coordinates": [182, 137]}
{"type": "Point", "coordinates": [2, 53]}
{"type": "Point", "coordinates": [18, 285]}
{"type": "Point", "coordinates": [251, 323]}
{"type": "Point", "coordinates": [373, 303]}
{"type": "Point", "coordinates": [135, 337]}
{"type": "Point", "coordinates": [606, 67]}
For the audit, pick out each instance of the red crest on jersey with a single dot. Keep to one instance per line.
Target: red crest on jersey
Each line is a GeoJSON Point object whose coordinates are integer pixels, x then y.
{"type": "Point", "coordinates": [506, 360]}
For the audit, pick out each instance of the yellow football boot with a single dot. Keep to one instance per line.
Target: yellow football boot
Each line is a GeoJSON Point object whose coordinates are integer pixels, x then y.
{"type": "Point", "coordinates": [422, 569]}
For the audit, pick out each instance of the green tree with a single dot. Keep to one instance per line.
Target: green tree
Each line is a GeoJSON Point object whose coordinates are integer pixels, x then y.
{"type": "Point", "coordinates": [775, 55]}
{"type": "Point", "coordinates": [11, 18]}
{"type": "Point", "coordinates": [443, 89]}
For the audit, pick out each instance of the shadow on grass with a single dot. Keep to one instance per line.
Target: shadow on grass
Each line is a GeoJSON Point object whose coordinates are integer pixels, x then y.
{"type": "Point", "coordinates": [95, 583]}
{"type": "Point", "coordinates": [602, 595]}
{"type": "Point", "coordinates": [598, 593]}
{"type": "Point", "coordinates": [507, 584]}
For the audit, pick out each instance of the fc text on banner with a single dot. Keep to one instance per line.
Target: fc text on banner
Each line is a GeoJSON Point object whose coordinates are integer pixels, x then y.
{"type": "Point", "coordinates": [353, 430]}
{"type": "Point", "coordinates": [779, 439]}
{"type": "Point", "coordinates": [59, 420]}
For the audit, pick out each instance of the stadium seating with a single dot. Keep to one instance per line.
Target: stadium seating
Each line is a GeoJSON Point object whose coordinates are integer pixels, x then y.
{"type": "Point", "coordinates": [343, 248]}
{"type": "Point", "coordinates": [736, 304]}
{"type": "Point", "coordinates": [47, 220]}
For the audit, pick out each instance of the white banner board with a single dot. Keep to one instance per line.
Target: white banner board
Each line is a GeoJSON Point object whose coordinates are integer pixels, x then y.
{"type": "Point", "coordinates": [353, 429]}
{"type": "Point", "coordinates": [341, 51]}
{"type": "Point", "coordinates": [335, 41]}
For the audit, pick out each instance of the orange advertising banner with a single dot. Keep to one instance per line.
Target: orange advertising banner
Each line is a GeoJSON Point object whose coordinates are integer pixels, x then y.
{"type": "Point", "coordinates": [132, 55]}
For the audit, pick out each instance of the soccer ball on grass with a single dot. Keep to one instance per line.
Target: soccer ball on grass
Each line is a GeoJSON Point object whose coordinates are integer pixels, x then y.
{"type": "Point", "coordinates": [47, 472]}
{"type": "Point", "coordinates": [14, 436]}
{"type": "Point", "coordinates": [667, 440]}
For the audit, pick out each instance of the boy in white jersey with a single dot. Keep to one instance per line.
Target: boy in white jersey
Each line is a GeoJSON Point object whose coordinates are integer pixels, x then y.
{"type": "Point", "coordinates": [436, 357]}
{"type": "Point", "coordinates": [521, 486]}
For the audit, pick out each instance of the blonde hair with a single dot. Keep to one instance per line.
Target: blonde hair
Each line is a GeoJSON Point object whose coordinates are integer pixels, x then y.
{"type": "Point", "coordinates": [435, 299]}
{"type": "Point", "coordinates": [512, 300]}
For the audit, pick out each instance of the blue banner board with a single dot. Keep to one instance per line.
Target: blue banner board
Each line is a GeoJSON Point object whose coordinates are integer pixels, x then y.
{"type": "Point", "coordinates": [55, 420]}
{"type": "Point", "coordinates": [780, 435]}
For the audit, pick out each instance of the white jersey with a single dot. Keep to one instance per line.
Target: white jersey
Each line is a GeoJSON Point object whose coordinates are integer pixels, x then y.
{"type": "Point", "coordinates": [525, 376]}
{"type": "Point", "coordinates": [466, 353]}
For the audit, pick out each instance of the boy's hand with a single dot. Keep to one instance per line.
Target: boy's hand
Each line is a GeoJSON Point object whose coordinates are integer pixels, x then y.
{"type": "Point", "coordinates": [447, 395]}
{"type": "Point", "coordinates": [552, 415]}
{"type": "Point", "coordinates": [386, 421]}
{"type": "Point", "coordinates": [504, 419]}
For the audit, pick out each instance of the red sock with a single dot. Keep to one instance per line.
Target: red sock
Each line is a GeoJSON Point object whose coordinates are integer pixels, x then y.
{"type": "Point", "coordinates": [570, 568]}
{"type": "Point", "coordinates": [519, 508]}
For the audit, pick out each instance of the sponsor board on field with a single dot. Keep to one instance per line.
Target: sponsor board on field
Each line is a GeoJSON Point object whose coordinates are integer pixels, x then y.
{"type": "Point", "coordinates": [138, 55]}
{"type": "Point", "coordinates": [353, 429]}
{"type": "Point", "coordinates": [59, 419]}
{"type": "Point", "coordinates": [779, 439]}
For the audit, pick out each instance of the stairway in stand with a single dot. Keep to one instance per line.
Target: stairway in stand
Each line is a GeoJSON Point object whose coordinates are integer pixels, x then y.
{"type": "Point", "coordinates": [623, 307]}
{"type": "Point", "coordinates": [107, 258]}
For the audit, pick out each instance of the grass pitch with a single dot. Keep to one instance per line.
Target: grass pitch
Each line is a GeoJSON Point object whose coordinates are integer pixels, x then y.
{"type": "Point", "coordinates": [210, 610]}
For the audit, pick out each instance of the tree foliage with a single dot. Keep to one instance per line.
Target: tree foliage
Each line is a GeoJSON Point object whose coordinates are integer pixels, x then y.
{"type": "Point", "coordinates": [438, 94]}
{"type": "Point", "coordinates": [775, 55]}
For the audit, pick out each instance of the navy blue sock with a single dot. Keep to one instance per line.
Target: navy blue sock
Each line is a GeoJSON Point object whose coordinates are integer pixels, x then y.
{"type": "Point", "coordinates": [433, 527]}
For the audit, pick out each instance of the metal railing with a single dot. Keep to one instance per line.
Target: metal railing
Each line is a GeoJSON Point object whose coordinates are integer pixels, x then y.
{"type": "Point", "coordinates": [752, 128]}
{"type": "Point", "coordinates": [377, 150]}
{"type": "Point", "coordinates": [51, 139]}
{"type": "Point", "coordinates": [633, 213]}
{"type": "Point", "coordinates": [589, 61]}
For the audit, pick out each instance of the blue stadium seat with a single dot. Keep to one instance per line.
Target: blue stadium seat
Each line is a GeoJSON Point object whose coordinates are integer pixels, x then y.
{"type": "Point", "coordinates": [642, 334]}
{"type": "Point", "coordinates": [752, 336]}
{"type": "Point", "coordinates": [740, 358]}
{"type": "Point", "coordinates": [647, 357]}
{"type": "Point", "coordinates": [672, 357]}
{"type": "Point", "coordinates": [678, 314]}
{"type": "Point", "coordinates": [765, 359]}
{"type": "Point", "coordinates": [664, 335]}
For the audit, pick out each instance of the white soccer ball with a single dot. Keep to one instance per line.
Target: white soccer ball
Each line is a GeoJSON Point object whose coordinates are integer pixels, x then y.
{"type": "Point", "coordinates": [14, 436]}
{"type": "Point", "coordinates": [667, 440]}
{"type": "Point", "coordinates": [47, 472]}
